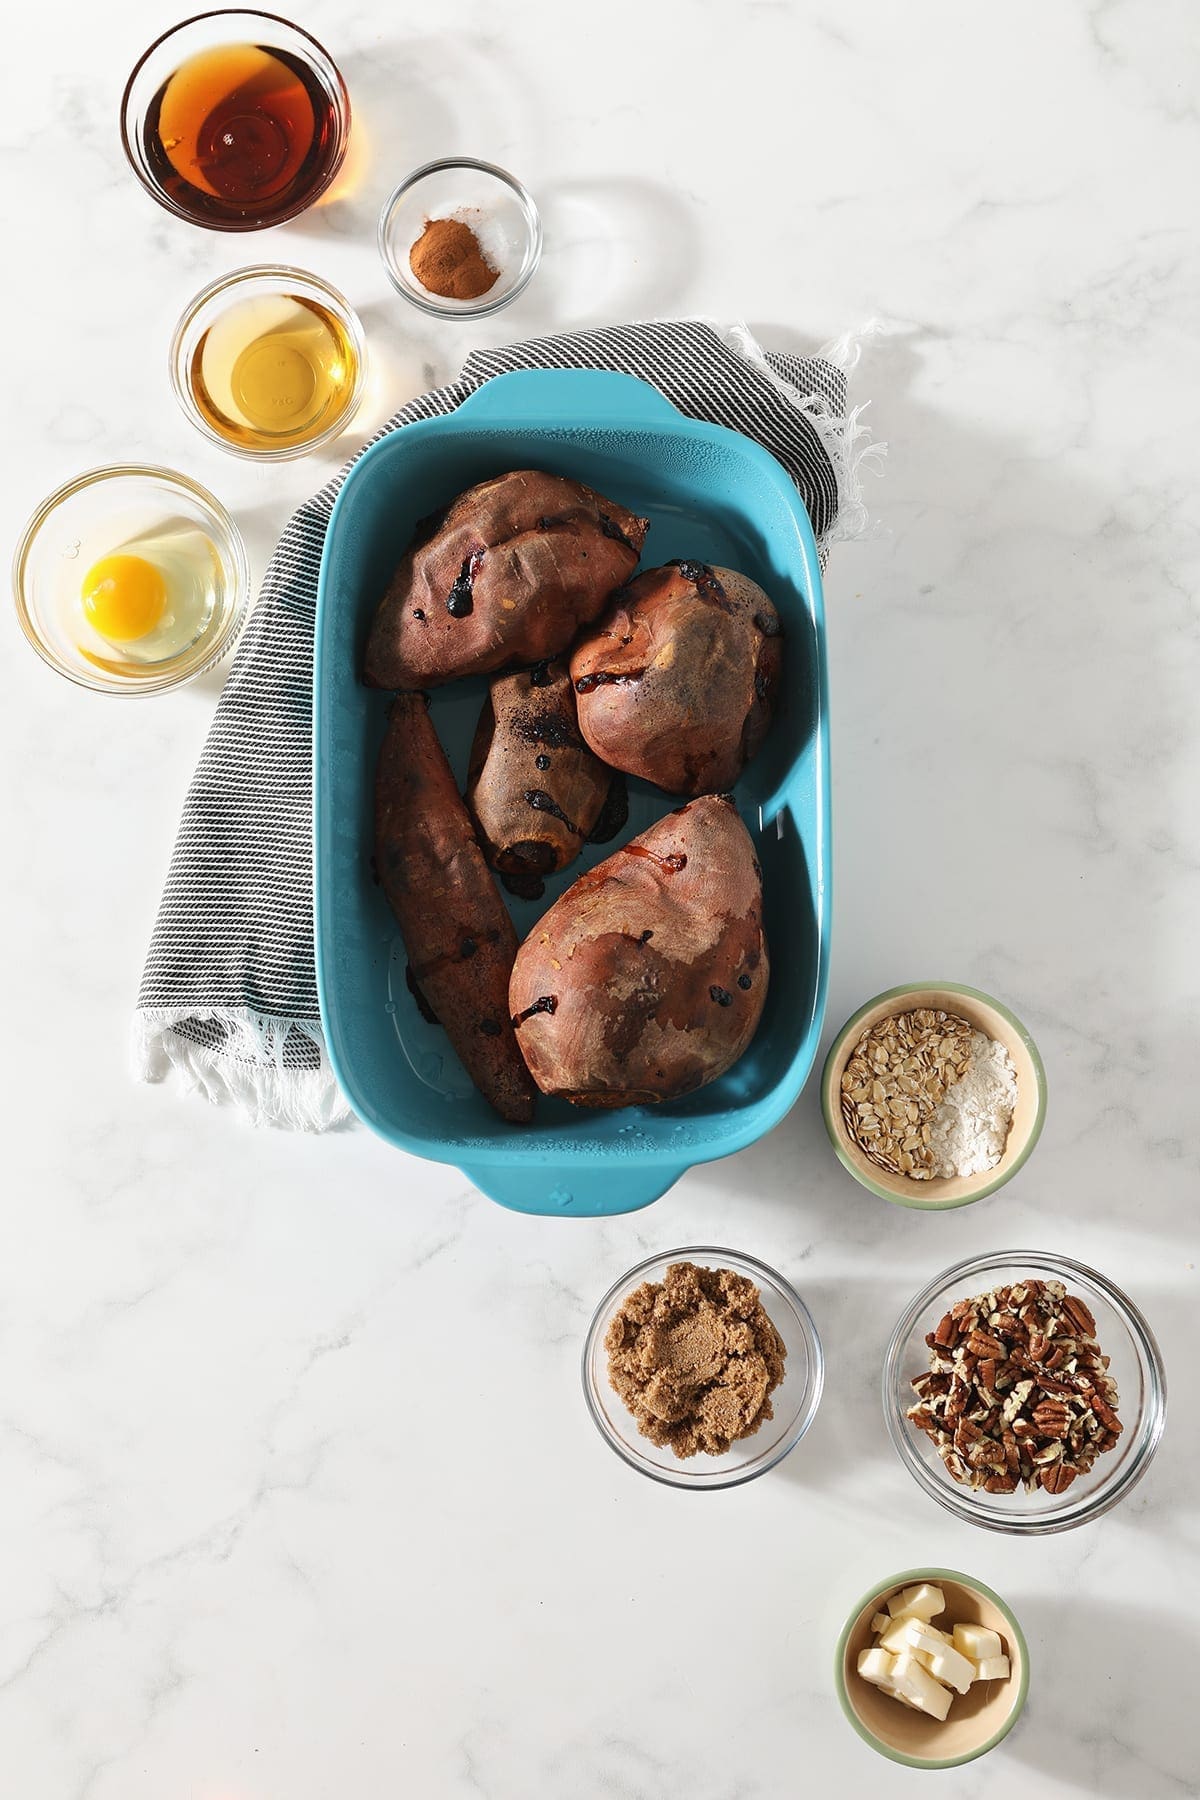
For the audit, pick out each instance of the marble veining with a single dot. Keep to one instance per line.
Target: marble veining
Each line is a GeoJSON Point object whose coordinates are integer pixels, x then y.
{"type": "Point", "coordinates": [300, 1499]}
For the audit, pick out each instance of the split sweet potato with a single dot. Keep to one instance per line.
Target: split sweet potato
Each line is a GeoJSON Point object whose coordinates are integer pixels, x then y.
{"type": "Point", "coordinates": [677, 681]}
{"type": "Point", "coordinates": [460, 939]}
{"type": "Point", "coordinates": [505, 579]}
{"type": "Point", "coordinates": [647, 978]}
{"type": "Point", "coordinates": [534, 788]}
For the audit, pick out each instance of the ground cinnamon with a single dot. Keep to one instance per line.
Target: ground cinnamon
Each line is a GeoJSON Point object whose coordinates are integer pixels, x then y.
{"type": "Point", "coordinates": [448, 259]}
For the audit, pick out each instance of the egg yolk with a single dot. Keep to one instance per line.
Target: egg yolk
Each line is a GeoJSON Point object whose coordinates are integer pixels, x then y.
{"type": "Point", "coordinates": [124, 597]}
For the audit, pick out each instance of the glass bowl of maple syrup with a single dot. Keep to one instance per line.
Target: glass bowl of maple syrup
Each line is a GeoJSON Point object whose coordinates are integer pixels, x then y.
{"type": "Point", "coordinates": [235, 120]}
{"type": "Point", "coordinates": [269, 362]}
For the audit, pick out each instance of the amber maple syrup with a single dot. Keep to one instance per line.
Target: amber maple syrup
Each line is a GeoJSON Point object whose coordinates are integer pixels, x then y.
{"type": "Point", "coordinates": [242, 135]}
{"type": "Point", "coordinates": [275, 372]}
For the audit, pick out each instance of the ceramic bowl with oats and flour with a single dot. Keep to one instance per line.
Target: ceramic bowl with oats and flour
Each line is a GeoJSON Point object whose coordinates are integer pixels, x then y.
{"type": "Point", "coordinates": [934, 1095]}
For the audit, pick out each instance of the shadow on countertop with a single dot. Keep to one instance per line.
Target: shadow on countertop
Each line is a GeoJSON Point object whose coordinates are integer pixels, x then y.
{"type": "Point", "coordinates": [1111, 1708]}
{"type": "Point", "coordinates": [1026, 846]}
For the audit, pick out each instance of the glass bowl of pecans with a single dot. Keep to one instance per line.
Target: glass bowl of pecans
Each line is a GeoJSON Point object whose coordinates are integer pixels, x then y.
{"type": "Point", "coordinates": [1024, 1392]}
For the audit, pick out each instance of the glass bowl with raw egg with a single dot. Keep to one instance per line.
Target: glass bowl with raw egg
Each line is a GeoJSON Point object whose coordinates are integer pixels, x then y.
{"type": "Point", "coordinates": [269, 362]}
{"type": "Point", "coordinates": [235, 120]}
{"type": "Point", "coordinates": [130, 579]}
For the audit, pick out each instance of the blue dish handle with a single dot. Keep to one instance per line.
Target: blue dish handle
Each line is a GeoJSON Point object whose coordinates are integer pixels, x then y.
{"type": "Point", "coordinates": [556, 396]}
{"type": "Point", "coordinates": [597, 1193]}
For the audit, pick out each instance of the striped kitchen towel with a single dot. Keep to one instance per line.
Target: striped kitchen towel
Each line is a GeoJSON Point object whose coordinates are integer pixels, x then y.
{"type": "Point", "coordinates": [229, 995]}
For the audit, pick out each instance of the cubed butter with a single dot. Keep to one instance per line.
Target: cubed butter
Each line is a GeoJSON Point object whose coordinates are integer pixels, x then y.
{"type": "Point", "coordinates": [920, 1635]}
{"type": "Point", "coordinates": [947, 1666]}
{"type": "Point", "coordinates": [918, 1687]}
{"type": "Point", "coordinates": [977, 1642]}
{"type": "Point", "coordinates": [880, 1622]}
{"type": "Point", "coordinates": [923, 1601]}
{"type": "Point", "coordinates": [992, 1668]}
{"type": "Point", "coordinates": [895, 1638]}
{"type": "Point", "coordinates": [876, 1666]}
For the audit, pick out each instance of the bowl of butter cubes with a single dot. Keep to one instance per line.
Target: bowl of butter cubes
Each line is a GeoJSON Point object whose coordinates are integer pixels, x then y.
{"type": "Point", "coordinates": [932, 1668]}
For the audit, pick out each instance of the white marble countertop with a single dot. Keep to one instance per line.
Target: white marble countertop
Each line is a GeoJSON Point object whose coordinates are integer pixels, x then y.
{"type": "Point", "coordinates": [299, 1499]}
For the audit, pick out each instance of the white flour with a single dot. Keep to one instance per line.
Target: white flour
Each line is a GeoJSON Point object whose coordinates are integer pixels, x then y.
{"type": "Point", "coordinates": [968, 1132]}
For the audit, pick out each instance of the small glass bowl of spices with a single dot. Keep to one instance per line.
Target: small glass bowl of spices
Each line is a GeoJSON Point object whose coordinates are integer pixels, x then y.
{"type": "Point", "coordinates": [702, 1368]}
{"type": "Point", "coordinates": [269, 362]}
{"type": "Point", "coordinates": [460, 238]}
{"type": "Point", "coordinates": [235, 120]}
{"type": "Point", "coordinates": [934, 1095]}
{"type": "Point", "coordinates": [130, 579]}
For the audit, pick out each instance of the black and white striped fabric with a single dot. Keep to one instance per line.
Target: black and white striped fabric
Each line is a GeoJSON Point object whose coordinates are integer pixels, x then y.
{"type": "Point", "coordinates": [228, 996]}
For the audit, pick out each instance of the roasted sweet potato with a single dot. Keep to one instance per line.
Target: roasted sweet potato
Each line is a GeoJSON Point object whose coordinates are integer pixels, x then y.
{"type": "Point", "coordinates": [647, 978]}
{"type": "Point", "coordinates": [457, 931]}
{"type": "Point", "coordinates": [677, 681]}
{"type": "Point", "coordinates": [533, 787]}
{"type": "Point", "coordinates": [505, 579]}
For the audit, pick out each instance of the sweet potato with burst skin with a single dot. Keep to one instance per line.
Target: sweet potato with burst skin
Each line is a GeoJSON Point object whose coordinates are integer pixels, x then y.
{"type": "Point", "coordinates": [457, 931]}
{"type": "Point", "coordinates": [533, 787]}
{"type": "Point", "coordinates": [647, 978]}
{"type": "Point", "coordinates": [517, 565]}
{"type": "Point", "coordinates": [677, 681]}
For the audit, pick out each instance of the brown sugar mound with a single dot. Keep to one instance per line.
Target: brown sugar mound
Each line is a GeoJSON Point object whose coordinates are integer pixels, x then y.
{"type": "Point", "coordinates": [695, 1358]}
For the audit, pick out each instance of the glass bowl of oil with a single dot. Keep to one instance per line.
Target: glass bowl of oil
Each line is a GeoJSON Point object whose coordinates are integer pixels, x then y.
{"type": "Point", "coordinates": [269, 362]}
{"type": "Point", "coordinates": [491, 203]}
{"type": "Point", "coordinates": [131, 579]}
{"type": "Point", "coordinates": [235, 120]}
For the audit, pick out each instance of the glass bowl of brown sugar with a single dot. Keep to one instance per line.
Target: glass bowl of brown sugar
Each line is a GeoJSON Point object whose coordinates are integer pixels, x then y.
{"type": "Point", "coordinates": [460, 238]}
{"type": "Point", "coordinates": [702, 1368]}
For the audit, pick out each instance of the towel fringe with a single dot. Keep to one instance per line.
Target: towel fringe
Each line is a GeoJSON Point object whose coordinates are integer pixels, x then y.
{"type": "Point", "coordinates": [847, 440]}
{"type": "Point", "coordinates": [247, 1068]}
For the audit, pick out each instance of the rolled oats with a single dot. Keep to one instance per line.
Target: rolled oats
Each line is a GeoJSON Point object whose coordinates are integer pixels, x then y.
{"type": "Point", "coordinates": [896, 1078]}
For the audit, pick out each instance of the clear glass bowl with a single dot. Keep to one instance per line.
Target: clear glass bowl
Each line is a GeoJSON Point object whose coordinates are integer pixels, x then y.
{"type": "Point", "coordinates": [794, 1402]}
{"type": "Point", "coordinates": [491, 201]}
{"type": "Point", "coordinates": [1136, 1366]}
{"type": "Point", "coordinates": [228, 291]}
{"type": "Point", "coordinates": [94, 515]}
{"type": "Point", "coordinates": [211, 31]}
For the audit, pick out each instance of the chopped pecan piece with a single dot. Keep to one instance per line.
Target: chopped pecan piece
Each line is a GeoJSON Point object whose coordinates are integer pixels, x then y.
{"type": "Point", "coordinates": [1106, 1415]}
{"type": "Point", "coordinates": [1080, 1314]}
{"type": "Point", "coordinates": [1052, 1418]}
{"type": "Point", "coordinates": [947, 1331]}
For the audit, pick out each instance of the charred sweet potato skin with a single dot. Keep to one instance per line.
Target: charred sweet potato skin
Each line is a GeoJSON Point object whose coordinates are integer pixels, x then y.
{"type": "Point", "coordinates": [460, 939]}
{"type": "Point", "coordinates": [647, 978]}
{"type": "Point", "coordinates": [534, 788]}
{"type": "Point", "coordinates": [506, 579]}
{"type": "Point", "coordinates": [677, 681]}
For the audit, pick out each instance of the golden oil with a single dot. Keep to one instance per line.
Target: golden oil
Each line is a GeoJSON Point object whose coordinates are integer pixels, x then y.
{"type": "Point", "coordinates": [275, 372]}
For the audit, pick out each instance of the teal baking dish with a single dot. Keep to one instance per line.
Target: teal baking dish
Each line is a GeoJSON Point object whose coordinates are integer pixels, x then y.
{"type": "Point", "coordinates": [711, 495]}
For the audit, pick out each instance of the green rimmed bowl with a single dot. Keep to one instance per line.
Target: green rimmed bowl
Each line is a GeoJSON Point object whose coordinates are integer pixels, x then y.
{"type": "Point", "coordinates": [985, 1014]}
{"type": "Point", "coordinates": [977, 1720]}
